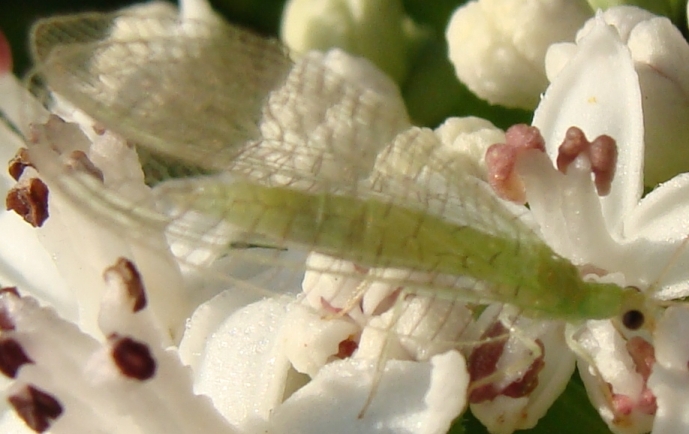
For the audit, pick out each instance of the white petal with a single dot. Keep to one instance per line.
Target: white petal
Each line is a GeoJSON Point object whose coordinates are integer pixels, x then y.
{"type": "Point", "coordinates": [311, 340]}
{"type": "Point", "coordinates": [24, 261]}
{"type": "Point", "coordinates": [624, 18]}
{"type": "Point", "coordinates": [659, 227]}
{"type": "Point", "coordinates": [412, 397]}
{"type": "Point", "coordinates": [598, 91]}
{"type": "Point", "coordinates": [670, 377]}
{"type": "Point", "coordinates": [243, 368]}
{"type": "Point", "coordinates": [661, 55]}
{"type": "Point", "coordinates": [506, 414]}
{"type": "Point", "coordinates": [606, 363]}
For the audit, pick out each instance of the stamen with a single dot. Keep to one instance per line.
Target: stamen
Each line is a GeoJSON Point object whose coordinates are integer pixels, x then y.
{"type": "Point", "coordinates": [126, 275]}
{"type": "Point", "coordinates": [346, 348]}
{"type": "Point", "coordinates": [12, 357]}
{"type": "Point", "coordinates": [133, 358]}
{"type": "Point", "coordinates": [36, 408]}
{"type": "Point", "coordinates": [18, 163]}
{"type": "Point", "coordinates": [573, 145]}
{"type": "Point", "coordinates": [29, 199]}
{"type": "Point", "coordinates": [501, 160]}
{"type": "Point", "coordinates": [603, 157]}
{"type": "Point", "coordinates": [601, 152]}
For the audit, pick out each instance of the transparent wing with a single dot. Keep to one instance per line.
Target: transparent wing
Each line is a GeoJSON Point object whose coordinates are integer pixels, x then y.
{"type": "Point", "coordinates": [156, 79]}
{"type": "Point", "coordinates": [221, 107]}
{"type": "Point", "coordinates": [211, 99]}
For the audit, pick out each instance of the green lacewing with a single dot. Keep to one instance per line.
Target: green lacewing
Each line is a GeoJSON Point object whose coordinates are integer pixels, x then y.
{"type": "Point", "coordinates": [355, 182]}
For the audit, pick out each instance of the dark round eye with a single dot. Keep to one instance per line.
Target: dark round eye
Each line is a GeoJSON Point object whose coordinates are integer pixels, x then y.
{"type": "Point", "coordinates": [633, 319]}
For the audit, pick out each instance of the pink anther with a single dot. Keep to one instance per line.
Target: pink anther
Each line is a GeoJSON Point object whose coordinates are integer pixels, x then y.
{"type": "Point", "coordinates": [501, 160]}
{"type": "Point", "coordinates": [601, 152]}
{"type": "Point", "coordinates": [603, 157]}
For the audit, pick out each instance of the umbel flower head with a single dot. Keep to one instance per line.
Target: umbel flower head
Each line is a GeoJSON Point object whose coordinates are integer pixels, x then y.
{"type": "Point", "coordinates": [122, 366]}
{"type": "Point", "coordinates": [137, 340]}
{"type": "Point", "coordinates": [586, 198]}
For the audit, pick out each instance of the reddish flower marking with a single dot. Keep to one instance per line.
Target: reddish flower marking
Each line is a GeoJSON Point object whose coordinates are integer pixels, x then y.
{"type": "Point", "coordinates": [346, 348]}
{"type": "Point", "coordinates": [36, 407]}
{"type": "Point", "coordinates": [18, 163]}
{"type": "Point", "coordinates": [483, 362]}
{"type": "Point", "coordinates": [125, 271]}
{"type": "Point", "coordinates": [529, 381]}
{"type": "Point", "coordinates": [12, 357]}
{"type": "Point", "coordinates": [133, 358]}
{"type": "Point", "coordinates": [5, 55]}
{"type": "Point", "coordinates": [643, 355]}
{"type": "Point", "coordinates": [29, 199]}
{"type": "Point", "coordinates": [10, 290]}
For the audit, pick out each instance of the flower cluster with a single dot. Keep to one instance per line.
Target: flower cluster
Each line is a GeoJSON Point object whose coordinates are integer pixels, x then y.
{"type": "Point", "coordinates": [104, 330]}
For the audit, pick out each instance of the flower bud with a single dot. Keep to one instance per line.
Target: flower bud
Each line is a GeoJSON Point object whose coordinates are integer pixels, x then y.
{"type": "Point", "coordinates": [376, 29]}
{"type": "Point", "coordinates": [498, 46]}
{"type": "Point", "coordinates": [669, 8]}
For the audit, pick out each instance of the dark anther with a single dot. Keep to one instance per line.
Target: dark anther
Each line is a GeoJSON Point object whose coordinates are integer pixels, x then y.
{"type": "Point", "coordinates": [134, 359]}
{"type": "Point", "coordinates": [29, 200]}
{"type": "Point", "coordinates": [18, 163]}
{"type": "Point", "coordinates": [346, 348]}
{"type": "Point", "coordinates": [36, 407]}
{"type": "Point", "coordinates": [12, 357]}
{"type": "Point", "coordinates": [633, 319]}
{"type": "Point", "coordinates": [10, 290]}
{"type": "Point", "coordinates": [126, 272]}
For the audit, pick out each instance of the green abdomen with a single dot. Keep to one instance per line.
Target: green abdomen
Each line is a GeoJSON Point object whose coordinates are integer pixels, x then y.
{"type": "Point", "coordinates": [376, 234]}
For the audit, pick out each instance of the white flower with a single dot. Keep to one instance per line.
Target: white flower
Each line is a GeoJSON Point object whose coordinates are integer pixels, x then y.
{"type": "Point", "coordinates": [498, 46]}
{"type": "Point", "coordinates": [670, 379]}
{"type": "Point", "coordinates": [661, 60]}
{"type": "Point", "coordinates": [120, 366]}
{"type": "Point", "coordinates": [378, 30]}
{"type": "Point", "coordinates": [590, 211]}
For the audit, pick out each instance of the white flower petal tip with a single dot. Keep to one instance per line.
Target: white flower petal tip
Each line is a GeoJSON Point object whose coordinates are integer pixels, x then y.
{"type": "Point", "coordinates": [661, 55]}
{"type": "Point", "coordinates": [242, 367]}
{"type": "Point", "coordinates": [102, 160]}
{"type": "Point", "coordinates": [378, 30]}
{"type": "Point", "coordinates": [468, 139]}
{"type": "Point", "coordinates": [412, 397]}
{"type": "Point", "coordinates": [669, 380]}
{"type": "Point", "coordinates": [498, 47]}
{"type": "Point", "coordinates": [598, 91]}
{"type": "Point", "coordinates": [615, 369]}
{"type": "Point", "coordinates": [66, 381]}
